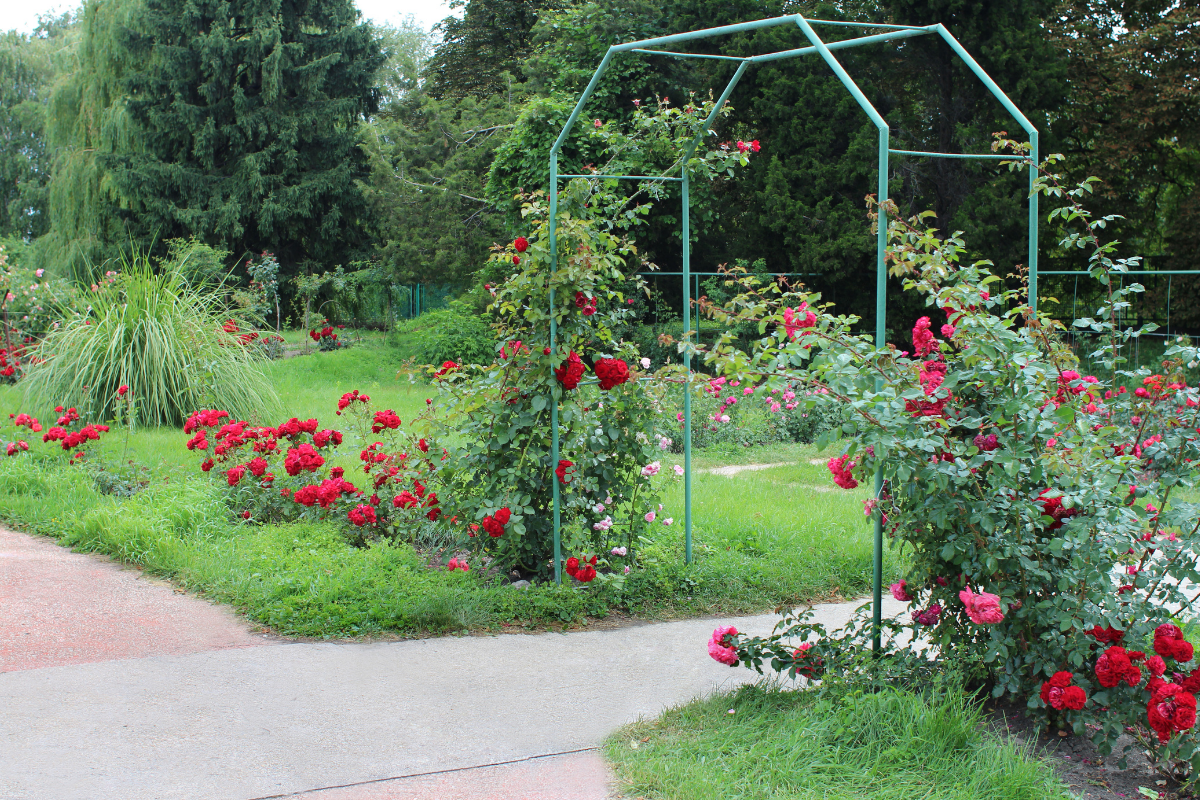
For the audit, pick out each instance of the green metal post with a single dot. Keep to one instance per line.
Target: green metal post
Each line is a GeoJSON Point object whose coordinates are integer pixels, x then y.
{"type": "Point", "coordinates": [880, 341]}
{"type": "Point", "coordinates": [554, 453]}
{"type": "Point", "coordinates": [880, 289]}
{"type": "Point", "coordinates": [687, 368]}
{"type": "Point", "coordinates": [1033, 220]}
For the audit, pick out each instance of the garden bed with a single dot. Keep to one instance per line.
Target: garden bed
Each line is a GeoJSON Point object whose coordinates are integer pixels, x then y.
{"type": "Point", "coordinates": [762, 538]}
{"type": "Point", "coordinates": [1077, 762]}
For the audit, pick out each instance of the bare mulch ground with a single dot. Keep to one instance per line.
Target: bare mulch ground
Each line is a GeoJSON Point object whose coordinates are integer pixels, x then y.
{"type": "Point", "coordinates": [1080, 766]}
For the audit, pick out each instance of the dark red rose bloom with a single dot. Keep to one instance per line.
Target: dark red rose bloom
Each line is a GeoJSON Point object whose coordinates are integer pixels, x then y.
{"type": "Point", "coordinates": [561, 470]}
{"type": "Point", "coordinates": [362, 515]}
{"type": "Point", "coordinates": [611, 372]}
{"type": "Point", "coordinates": [1106, 635]}
{"type": "Point", "coordinates": [257, 466]}
{"type": "Point", "coordinates": [1053, 689]}
{"type": "Point", "coordinates": [570, 372]}
{"type": "Point", "coordinates": [234, 475]}
{"type": "Point", "coordinates": [503, 516]}
{"type": "Point", "coordinates": [1053, 507]}
{"type": "Point", "coordinates": [572, 566]}
{"type": "Point", "coordinates": [521, 244]}
{"type": "Point", "coordinates": [1114, 666]}
{"type": "Point", "coordinates": [492, 527]}
{"type": "Point", "coordinates": [807, 664]}
{"type": "Point", "coordinates": [1169, 643]}
{"type": "Point", "coordinates": [385, 420]}
{"type": "Point", "coordinates": [586, 574]}
{"type": "Point", "coordinates": [1074, 698]}
{"type": "Point", "coordinates": [1171, 710]}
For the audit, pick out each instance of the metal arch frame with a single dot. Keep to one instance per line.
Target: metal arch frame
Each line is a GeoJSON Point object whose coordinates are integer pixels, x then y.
{"type": "Point", "coordinates": [825, 50]}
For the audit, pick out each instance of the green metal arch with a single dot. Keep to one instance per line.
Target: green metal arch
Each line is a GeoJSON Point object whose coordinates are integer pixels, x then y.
{"type": "Point", "coordinates": [825, 50]}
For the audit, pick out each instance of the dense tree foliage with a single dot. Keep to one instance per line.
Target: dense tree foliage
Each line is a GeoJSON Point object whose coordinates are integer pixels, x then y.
{"type": "Point", "coordinates": [287, 125]}
{"type": "Point", "coordinates": [490, 39]}
{"type": "Point", "coordinates": [28, 65]}
{"type": "Point", "coordinates": [235, 121]}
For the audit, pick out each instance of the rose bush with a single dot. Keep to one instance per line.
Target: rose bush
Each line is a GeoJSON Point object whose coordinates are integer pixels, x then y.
{"type": "Point", "coordinates": [1048, 516]}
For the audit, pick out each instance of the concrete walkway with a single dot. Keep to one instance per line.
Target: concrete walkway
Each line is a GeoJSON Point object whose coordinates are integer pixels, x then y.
{"type": "Point", "coordinates": [117, 686]}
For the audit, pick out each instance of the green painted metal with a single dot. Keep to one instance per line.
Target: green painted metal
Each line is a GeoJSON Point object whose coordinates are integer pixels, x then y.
{"type": "Point", "coordinates": [949, 155]}
{"type": "Point", "coordinates": [843, 24]}
{"type": "Point", "coordinates": [842, 45]}
{"type": "Point", "coordinates": [1138, 272]}
{"type": "Point", "coordinates": [626, 177]}
{"type": "Point", "coordinates": [825, 50]}
{"type": "Point", "coordinates": [554, 443]}
{"type": "Point", "coordinates": [1031, 131]}
{"type": "Point", "coordinates": [687, 366]}
{"type": "Point", "coordinates": [687, 55]}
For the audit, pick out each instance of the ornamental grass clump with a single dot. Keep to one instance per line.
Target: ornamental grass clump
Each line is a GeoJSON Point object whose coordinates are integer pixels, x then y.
{"type": "Point", "coordinates": [164, 338]}
{"type": "Point", "coordinates": [1048, 516]}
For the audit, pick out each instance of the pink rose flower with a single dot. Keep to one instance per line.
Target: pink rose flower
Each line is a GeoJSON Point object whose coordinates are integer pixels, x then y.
{"type": "Point", "coordinates": [982, 608]}
{"type": "Point", "coordinates": [900, 592]}
{"type": "Point", "coordinates": [719, 650]}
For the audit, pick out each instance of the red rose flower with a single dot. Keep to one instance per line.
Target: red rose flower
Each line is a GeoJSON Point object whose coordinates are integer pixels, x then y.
{"type": "Point", "coordinates": [1114, 666]}
{"type": "Point", "coordinates": [611, 372]}
{"type": "Point", "coordinates": [362, 515]}
{"type": "Point", "coordinates": [561, 470]}
{"type": "Point", "coordinates": [1171, 710]}
{"type": "Point", "coordinates": [1106, 635]}
{"type": "Point", "coordinates": [1074, 698]}
{"type": "Point", "coordinates": [234, 475]}
{"type": "Point", "coordinates": [586, 574]}
{"type": "Point", "coordinates": [807, 664]}
{"type": "Point", "coordinates": [493, 527]}
{"type": "Point", "coordinates": [521, 244]}
{"type": "Point", "coordinates": [572, 566]}
{"type": "Point", "coordinates": [503, 516]}
{"type": "Point", "coordinates": [570, 372]}
{"type": "Point", "coordinates": [1169, 643]}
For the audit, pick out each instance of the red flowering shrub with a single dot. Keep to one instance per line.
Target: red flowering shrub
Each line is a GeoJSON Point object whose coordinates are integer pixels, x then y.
{"type": "Point", "coordinates": [1046, 515]}
{"type": "Point", "coordinates": [326, 337]}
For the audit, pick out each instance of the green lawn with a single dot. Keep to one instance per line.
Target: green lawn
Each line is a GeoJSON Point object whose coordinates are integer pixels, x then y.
{"type": "Point", "coordinates": [760, 744]}
{"type": "Point", "coordinates": [764, 538]}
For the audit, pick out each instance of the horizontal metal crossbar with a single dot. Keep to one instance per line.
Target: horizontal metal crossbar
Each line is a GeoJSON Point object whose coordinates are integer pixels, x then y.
{"type": "Point", "coordinates": [1115, 273]}
{"type": "Point", "coordinates": [625, 177]}
{"type": "Point", "coordinates": [957, 155]}
{"type": "Point", "coordinates": [903, 33]}
{"type": "Point", "coordinates": [841, 24]}
{"type": "Point", "coordinates": [844, 44]}
{"type": "Point", "coordinates": [687, 55]}
{"type": "Point", "coordinates": [731, 275]}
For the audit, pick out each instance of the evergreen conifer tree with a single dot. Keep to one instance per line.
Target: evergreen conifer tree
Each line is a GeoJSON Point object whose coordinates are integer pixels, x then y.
{"type": "Point", "coordinates": [233, 121]}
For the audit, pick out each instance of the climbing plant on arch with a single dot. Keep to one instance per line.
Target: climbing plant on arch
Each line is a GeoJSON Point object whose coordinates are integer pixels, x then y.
{"type": "Point", "coordinates": [817, 47]}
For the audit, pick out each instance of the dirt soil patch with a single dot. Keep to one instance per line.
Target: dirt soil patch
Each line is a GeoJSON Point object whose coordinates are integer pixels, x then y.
{"type": "Point", "coordinates": [1079, 765]}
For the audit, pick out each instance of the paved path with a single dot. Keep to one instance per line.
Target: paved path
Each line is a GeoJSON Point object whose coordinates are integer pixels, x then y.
{"type": "Point", "coordinates": [116, 686]}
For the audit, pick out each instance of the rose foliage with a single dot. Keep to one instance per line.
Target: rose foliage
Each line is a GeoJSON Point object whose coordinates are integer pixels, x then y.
{"type": "Point", "coordinates": [1048, 516]}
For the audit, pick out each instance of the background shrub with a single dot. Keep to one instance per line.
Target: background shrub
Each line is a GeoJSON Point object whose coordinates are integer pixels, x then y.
{"type": "Point", "coordinates": [456, 333]}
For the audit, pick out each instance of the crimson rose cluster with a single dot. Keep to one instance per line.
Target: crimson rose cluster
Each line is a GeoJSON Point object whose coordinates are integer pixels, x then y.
{"type": "Point", "coordinates": [250, 456]}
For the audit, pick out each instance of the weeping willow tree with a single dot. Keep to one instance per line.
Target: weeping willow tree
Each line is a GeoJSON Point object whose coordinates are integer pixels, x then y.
{"type": "Point", "coordinates": [87, 121]}
{"type": "Point", "coordinates": [162, 336]}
